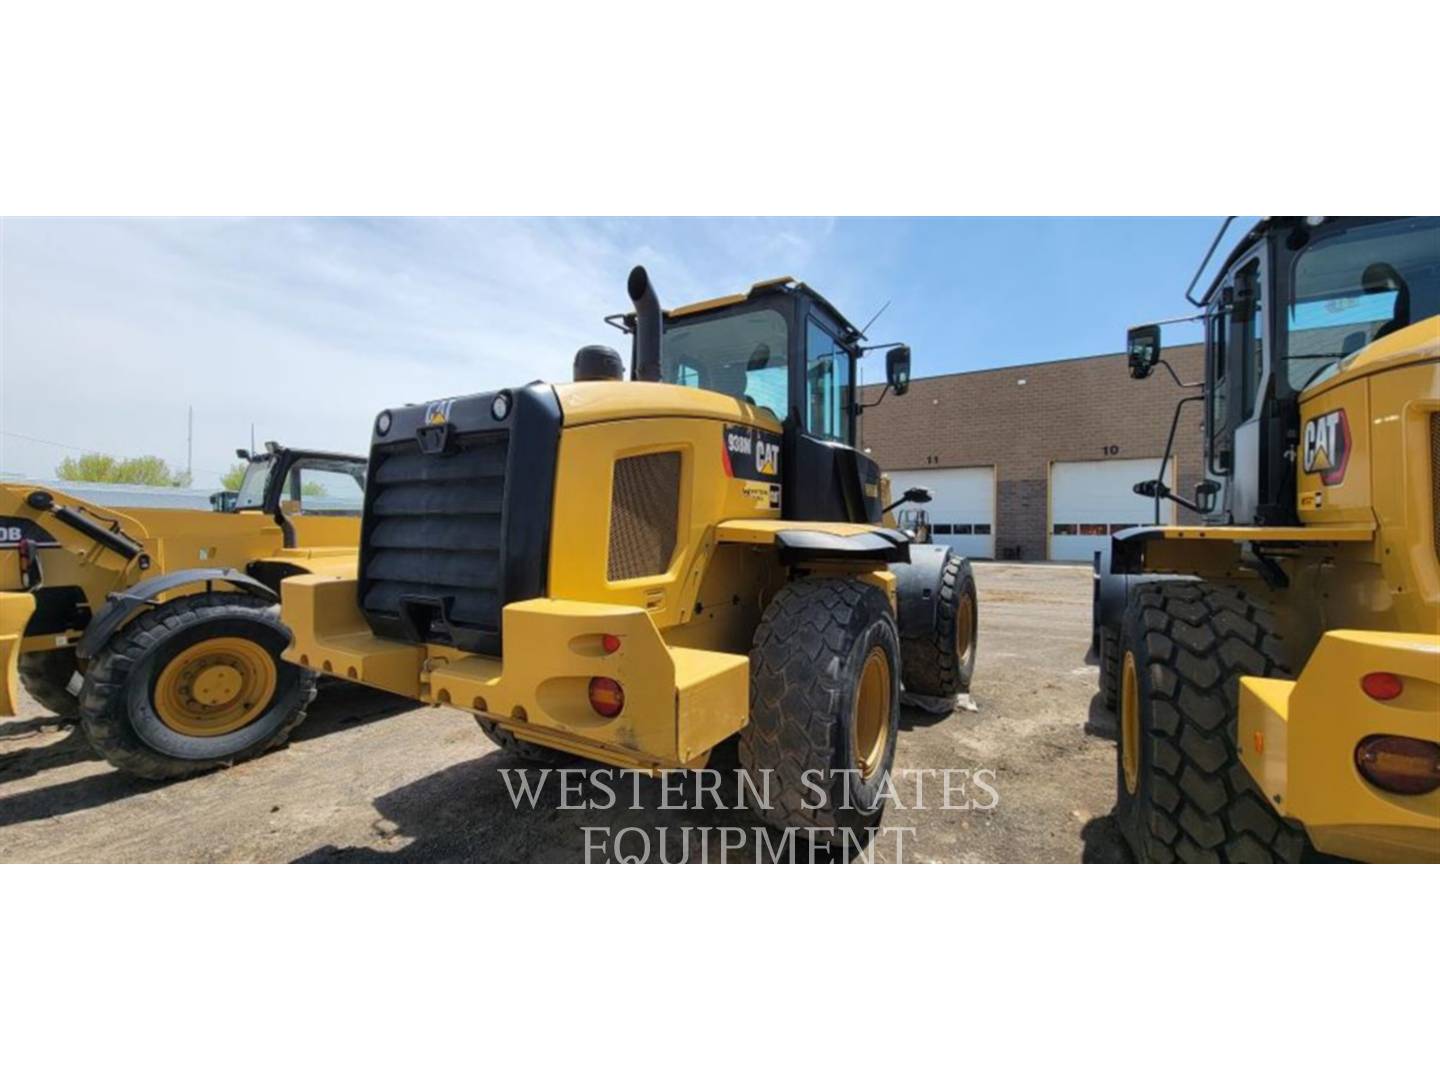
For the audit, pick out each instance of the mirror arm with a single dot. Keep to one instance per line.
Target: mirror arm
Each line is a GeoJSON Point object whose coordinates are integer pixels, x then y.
{"type": "Point", "coordinates": [898, 502]}
{"type": "Point", "coordinates": [1183, 385]}
{"type": "Point", "coordinates": [1165, 460]}
{"type": "Point", "coordinates": [861, 406]}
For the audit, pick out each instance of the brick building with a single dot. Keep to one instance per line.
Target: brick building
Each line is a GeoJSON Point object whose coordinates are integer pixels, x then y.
{"type": "Point", "coordinates": [1036, 461]}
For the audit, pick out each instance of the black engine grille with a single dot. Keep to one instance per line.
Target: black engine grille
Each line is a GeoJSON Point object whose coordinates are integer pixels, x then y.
{"type": "Point", "coordinates": [435, 536]}
{"type": "Point", "coordinates": [453, 535]}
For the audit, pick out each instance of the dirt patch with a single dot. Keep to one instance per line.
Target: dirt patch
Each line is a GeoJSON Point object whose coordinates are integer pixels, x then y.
{"type": "Point", "coordinates": [368, 778]}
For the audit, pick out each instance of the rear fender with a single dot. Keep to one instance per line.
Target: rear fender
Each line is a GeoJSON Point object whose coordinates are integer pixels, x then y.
{"type": "Point", "coordinates": [122, 605]}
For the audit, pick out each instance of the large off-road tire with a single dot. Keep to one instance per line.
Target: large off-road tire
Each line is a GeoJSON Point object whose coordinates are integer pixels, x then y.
{"type": "Point", "coordinates": [1182, 794]}
{"type": "Point", "coordinates": [528, 751]}
{"type": "Point", "coordinates": [1108, 658]}
{"type": "Point", "coordinates": [193, 685]}
{"type": "Point", "coordinates": [940, 664]}
{"type": "Point", "coordinates": [46, 677]}
{"type": "Point", "coordinates": [824, 697]}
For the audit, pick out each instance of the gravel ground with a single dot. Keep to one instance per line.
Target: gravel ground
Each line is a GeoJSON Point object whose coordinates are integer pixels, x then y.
{"type": "Point", "coordinates": [368, 779]}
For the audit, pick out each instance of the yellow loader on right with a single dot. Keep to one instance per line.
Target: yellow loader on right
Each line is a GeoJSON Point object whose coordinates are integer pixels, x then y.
{"type": "Point", "coordinates": [1276, 668]}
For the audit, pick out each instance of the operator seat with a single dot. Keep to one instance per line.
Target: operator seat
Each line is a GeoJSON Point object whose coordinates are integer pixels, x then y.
{"type": "Point", "coordinates": [1381, 277]}
{"type": "Point", "coordinates": [729, 379]}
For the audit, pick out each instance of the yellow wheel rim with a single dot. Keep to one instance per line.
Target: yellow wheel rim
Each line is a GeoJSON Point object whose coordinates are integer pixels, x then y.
{"type": "Point", "coordinates": [870, 730]}
{"type": "Point", "coordinates": [215, 687]}
{"type": "Point", "coordinates": [1130, 725]}
{"type": "Point", "coordinates": [965, 628]}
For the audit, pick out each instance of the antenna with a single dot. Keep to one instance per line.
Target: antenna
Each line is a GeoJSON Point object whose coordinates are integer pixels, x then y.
{"type": "Point", "coordinates": [874, 317]}
{"type": "Point", "coordinates": [190, 446]}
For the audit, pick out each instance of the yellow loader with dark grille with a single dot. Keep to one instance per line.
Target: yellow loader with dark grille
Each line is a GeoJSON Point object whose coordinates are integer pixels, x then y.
{"type": "Point", "coordinates": [1276, 670]}
{"type": "Point", "coordinates": [639, 571]}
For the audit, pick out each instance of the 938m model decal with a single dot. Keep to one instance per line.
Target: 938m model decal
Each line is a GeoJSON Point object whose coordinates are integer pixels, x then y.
{"type": "Point", "coordinates": [751, 454]}
{"type": "Point", "coordinates": [1325, 446]}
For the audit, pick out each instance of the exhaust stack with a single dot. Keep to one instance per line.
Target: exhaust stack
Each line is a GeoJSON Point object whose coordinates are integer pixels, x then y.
{"type": "Point", "coordinates": [648, 326]}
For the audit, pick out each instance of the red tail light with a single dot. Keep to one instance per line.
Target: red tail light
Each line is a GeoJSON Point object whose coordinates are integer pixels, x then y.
{"type": "Point", "coordinates": [607, 697]}
{"type": "Point", "coordinates": [1399, 764]}
{"type": "Point", "coordinates": [1382, 685]}
{"type": "Point", "coordinates": [610, 643]}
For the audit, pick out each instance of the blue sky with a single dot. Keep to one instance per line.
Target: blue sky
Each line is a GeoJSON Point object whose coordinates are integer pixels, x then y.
{"type": "Point", "coordinates": [307, 327]}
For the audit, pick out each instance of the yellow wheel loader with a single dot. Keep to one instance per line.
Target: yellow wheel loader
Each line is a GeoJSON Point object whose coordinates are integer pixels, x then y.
{"type": "Point", "coordinates": [1276, 669]}
{"type": "Point", "coordinates": [637, 571]}
{"type": "Point", "coordinates": [159, 628]}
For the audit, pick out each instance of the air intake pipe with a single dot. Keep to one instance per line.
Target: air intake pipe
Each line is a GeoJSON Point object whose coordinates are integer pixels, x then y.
{"type": "Point", "coordinates": [648, 326]}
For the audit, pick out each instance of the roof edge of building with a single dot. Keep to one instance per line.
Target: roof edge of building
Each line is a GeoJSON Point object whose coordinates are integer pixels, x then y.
{"type": "Point", "coordinates": [1026, 364]}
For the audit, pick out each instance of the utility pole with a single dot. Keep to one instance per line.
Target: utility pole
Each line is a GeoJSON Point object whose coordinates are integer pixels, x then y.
{"type": "Point", "coordinates": [190, 447]}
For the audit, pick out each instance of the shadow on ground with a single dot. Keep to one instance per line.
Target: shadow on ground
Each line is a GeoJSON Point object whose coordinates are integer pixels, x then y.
{"type": "Point", "coordinates": [338, 707]}
{"type": "Point", "coordinates": [1103, 842]}
{"type": "Point", "coordinates": [468, 813]}
{"type": "Point", "coordinates": [1100, 721]}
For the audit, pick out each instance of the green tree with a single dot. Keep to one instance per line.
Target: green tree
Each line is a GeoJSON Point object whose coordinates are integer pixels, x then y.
{"type": "Point", "coordinates": [233, 477]}
{"type": "Point", "coordinates": [312, 487]}
{"type": "Point", "coordinates": [105, 469]}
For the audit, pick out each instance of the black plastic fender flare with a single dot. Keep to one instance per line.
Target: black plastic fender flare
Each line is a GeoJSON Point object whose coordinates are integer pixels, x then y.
{"type": "Point", "coordinates": [120, 606]}
{"type": "Point", "coordinates": [1111, 588]}
{"type": "Point", "coordinates": [917, 588]}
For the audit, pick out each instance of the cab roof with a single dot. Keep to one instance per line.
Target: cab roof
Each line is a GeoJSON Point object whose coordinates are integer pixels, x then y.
{"type": "Point", "coordinates": [771, 285]}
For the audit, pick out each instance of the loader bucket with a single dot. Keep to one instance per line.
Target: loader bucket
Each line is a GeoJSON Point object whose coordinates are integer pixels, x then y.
{"type": "Point", "coordinates": [15, 612]}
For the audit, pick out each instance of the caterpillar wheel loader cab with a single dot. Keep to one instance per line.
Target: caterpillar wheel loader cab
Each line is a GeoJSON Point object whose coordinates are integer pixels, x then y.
{"type": "Point", "coordinates": [1276, 668]}
{"type": "Point", "coordinates": [158, 628]}
{"type": "Point", "coordinates": [637, 571]}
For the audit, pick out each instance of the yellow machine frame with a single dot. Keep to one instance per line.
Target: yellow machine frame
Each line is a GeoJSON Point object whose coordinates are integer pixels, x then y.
{"type": "Point", "coordinates": [169, 541]}
{"type": "Point", "coordinates": [684, 633]}
{"type": "Point", "coordinates": [1364, 596]}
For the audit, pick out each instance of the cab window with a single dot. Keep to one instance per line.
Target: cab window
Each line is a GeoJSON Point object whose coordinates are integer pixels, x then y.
{"type": "Point", "coordinates": [251, 495]}
{"type": "Point", "coordinates": [319, 488]}
{"type": "Point", "coordinates": [1354, 286]}
{"type": "Point", "coordinates": [745, 355]}
{"type": "Point", "coordinates": [1251, 338]}
{"type": "Point", "coordinates": [827, 385]}
{"type": "Point", "coordinates": [1218, 389]}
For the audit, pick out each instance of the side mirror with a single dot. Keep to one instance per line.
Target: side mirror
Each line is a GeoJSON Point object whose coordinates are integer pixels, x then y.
{"type": "Point", "coordinates": [1150, 488]}
{"type": "Point", "coordinates": [1142, 345]}
{"type": "Point", "coordinates": [243, 454]}
{"type": "Point", "coordinates": [1205, 493]}
{"type": "Point", "coordinates": [919, 495]}
{"type": "Point", "coordinates": [897, 369]}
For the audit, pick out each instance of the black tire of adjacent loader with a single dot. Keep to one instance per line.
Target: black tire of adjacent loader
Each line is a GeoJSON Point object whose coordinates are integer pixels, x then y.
{"type": "Point", "coordinates": [117, 694]}
{"type": "Point", "coordinates": [529, 751]}
{"type": "Point", "coordinates": [806, 662]}
{"type": "Point", "coordinates": [1195, 801]}
{"type": "Point", "coordinates": [46, 678]}
{"type": "Point", "coordinates": [932, 664]}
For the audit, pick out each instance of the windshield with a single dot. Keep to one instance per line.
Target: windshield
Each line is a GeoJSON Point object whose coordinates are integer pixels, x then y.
{"type": "Point", "coordinates": [743, 355]}
{"type": "Point", "coordinates": [1353, 287]}
{"type": "Point", "coordinates": [251, 495]}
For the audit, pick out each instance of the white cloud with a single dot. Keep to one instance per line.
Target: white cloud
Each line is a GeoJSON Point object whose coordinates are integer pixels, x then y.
{"type": "Point", "coordinates": [109, 329]}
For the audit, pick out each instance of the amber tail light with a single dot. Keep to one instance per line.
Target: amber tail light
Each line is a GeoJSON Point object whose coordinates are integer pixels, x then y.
{"type": "Point", "coordinates": [607, 697]}
{"type": "Point", "coordinates": [1399, 764]}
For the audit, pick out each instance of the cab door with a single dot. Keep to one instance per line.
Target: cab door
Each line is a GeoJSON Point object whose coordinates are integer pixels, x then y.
{"type": "Point", "coordinates": [1235, 384]}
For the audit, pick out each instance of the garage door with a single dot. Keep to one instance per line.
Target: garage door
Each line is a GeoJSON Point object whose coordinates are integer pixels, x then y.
{"type": "Point", "coordinates": [1089, 500]}
{"type": "Point", "coordinates": [962, 513]}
